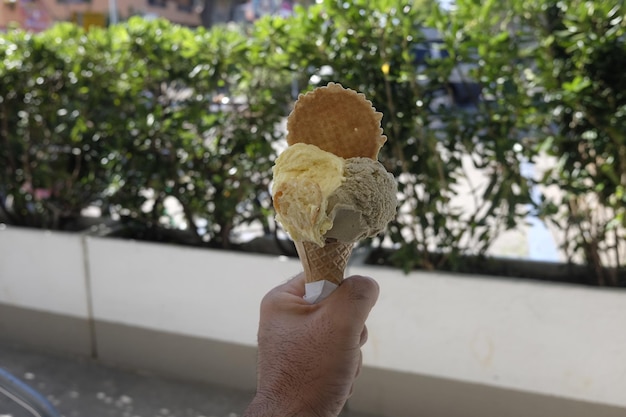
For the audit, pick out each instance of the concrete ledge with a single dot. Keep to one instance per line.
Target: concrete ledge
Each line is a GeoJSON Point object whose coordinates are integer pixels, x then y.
{"type": "Point", "coordinates": [379, 391]}
{"type": "Point", "coordinates": [441, 344]}
{"type": "Point", "coordinates": [551, 339]}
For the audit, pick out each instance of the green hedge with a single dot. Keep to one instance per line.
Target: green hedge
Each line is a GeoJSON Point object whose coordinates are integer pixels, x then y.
{"type": "Point", "coordinates": [129, 116]}
{"type": "Point", "coordinates": [112, 117]}
{"type": "Point", "coordinates": [555, 65]}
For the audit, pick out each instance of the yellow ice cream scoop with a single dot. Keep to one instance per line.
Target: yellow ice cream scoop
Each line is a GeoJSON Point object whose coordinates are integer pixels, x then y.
{"type": "Point", "coordinates": [304, 177]}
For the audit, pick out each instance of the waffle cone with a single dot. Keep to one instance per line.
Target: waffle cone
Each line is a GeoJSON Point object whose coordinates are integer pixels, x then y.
{"type": "Point", "coordinates": [337, 120]}
{"type": "Point", "coordinates": [324, 263]}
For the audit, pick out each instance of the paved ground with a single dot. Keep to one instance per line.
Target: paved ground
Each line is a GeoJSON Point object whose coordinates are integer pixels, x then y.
{"type": "Point", "coordinates": [83, 388]}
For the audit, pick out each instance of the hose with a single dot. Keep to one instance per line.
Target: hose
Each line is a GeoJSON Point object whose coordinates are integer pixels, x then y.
{"type": "Point", "coordinates": [25, 396]}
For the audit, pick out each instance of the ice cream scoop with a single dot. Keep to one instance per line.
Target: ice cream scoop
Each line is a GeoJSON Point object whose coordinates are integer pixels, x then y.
{"type": "Point", "coordinates": [304, 178]}
{"type": "Point", "coordinates": [364, 203]}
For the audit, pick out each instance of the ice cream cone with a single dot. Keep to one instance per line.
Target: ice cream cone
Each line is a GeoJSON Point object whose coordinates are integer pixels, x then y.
{"type": "Point", "coordinates": [324, 263]}
{"type": "Point", "coordinates": [341, 122]}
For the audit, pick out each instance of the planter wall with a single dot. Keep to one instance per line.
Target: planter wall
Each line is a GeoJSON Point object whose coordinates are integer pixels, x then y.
{"type": "Point", "coordinates": [440, 344]}
{"type": "Point", "coordinates": [43, 290]}
{"type": "Point", "coordinates": [555, 340]}
{"type": "Point", "coordinates": [197, 309]}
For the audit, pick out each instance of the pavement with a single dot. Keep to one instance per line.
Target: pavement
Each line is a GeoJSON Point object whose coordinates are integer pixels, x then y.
{"type": "Point", "coordinates": [81, 387]}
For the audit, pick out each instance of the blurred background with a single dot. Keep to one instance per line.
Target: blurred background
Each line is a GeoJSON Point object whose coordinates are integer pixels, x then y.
{"type": "Point", "coordinates": [505, 121]}
{"type": "Point", "coordinates": [159, 121]}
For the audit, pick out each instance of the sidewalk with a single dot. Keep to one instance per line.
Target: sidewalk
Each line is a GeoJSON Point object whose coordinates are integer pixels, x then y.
{"type": "Point", "coordinates": [80, 387]}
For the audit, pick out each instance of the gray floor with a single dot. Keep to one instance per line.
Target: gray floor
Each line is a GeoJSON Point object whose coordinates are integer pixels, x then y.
{"type": "Point", "coordinates": [80, 387]}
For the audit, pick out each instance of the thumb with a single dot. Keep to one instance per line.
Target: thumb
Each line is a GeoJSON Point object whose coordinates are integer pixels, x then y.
{"type": "Point", "coordinates": [355, 297]}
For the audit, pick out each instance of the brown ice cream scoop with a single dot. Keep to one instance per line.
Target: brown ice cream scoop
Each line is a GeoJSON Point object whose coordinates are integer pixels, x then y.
{"type": "Point", "coordinates": [365, 203]}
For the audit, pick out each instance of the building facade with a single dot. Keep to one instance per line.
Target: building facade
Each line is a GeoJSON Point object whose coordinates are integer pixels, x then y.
{"type": "Point", "coordinates": [37, 15]}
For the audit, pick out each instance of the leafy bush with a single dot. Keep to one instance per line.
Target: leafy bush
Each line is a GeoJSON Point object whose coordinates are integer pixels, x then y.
{"type": "Point", "coordinates": [181, 142]}
{"type": "Point", "coordinates": [371, 47]}
{"type": "Point", "coordinates": [583, 45]}
{"type": "Point", "coordinates": [129, 118]}
{"type": "Point", "coordinates": [134, 118]}
{"type": "Point", "coordinates": [552, 67]}
{"type": "Point", "coordinates": [54, 125]}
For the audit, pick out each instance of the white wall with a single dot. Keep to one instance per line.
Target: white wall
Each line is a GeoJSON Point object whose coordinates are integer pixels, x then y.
{"type": "Point", "coordinates": [194, 292]}
{"type": "Point", "coordinates": [43, 271]}
{"type": "Point", "coordinates": [555, 339]}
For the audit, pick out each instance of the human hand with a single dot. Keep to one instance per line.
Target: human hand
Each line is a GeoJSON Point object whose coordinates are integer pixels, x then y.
{"type": "Point", "coordinates": [310, 354]}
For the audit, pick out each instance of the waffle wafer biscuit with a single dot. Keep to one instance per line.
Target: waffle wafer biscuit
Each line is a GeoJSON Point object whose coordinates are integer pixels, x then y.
{"type": "Point", "coordinates": [336, 120]}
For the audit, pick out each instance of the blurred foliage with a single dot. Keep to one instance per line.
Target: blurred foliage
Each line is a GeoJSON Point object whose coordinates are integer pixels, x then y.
{"type": "Point", "coordinates": [55, 119]}
{"type": "Point", "coordinates": [139, 115]}
{"type": "Point", "coordinates": [583, 44]}
{"type": "Point", "coordinates": [553, 65]}
{"type": "Point", "coordinates": [130, 116]}
{"type": "Point", "coordinates": [373, 47]}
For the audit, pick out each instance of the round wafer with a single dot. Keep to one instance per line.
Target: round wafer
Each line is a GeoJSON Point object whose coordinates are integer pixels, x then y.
{"type": "Point", "coordinates": [337, 120]}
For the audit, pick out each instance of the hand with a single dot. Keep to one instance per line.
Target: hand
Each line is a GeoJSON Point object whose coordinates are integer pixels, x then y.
{"type": "Point", "coordinates": [310, 354]}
